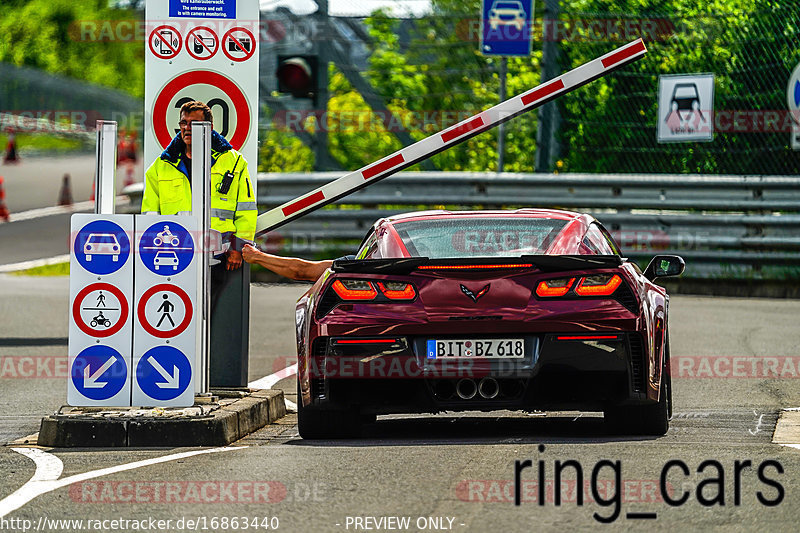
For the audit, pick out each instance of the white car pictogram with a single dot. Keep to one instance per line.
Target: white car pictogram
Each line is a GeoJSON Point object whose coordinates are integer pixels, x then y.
{"type": "Point", "coordinates": [507, 13]}
{"type": "Point", "coordinates": [166, 259]}
{"type": "Point", "coordinates": [102, 244]}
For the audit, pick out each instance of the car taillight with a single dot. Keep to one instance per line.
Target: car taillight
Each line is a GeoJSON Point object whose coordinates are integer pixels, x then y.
{"type": "Point", "coordinates": [598, 285]}
{"type": "Point", "coordinates": [352, 289]}
{"type": "Point", "coordinates": [554, 287]}
{"type": "Point", "coordinates": [397, 290]}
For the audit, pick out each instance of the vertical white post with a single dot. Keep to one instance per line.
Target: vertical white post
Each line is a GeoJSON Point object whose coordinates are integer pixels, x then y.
{"type": "Point", "coordinates": [105, 179]}
{"type": "Point", "coordinates": [201, 209]}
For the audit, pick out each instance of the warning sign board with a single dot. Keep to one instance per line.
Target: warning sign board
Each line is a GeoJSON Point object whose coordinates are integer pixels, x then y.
{"type": "Point", "coordinates": [216, 62]}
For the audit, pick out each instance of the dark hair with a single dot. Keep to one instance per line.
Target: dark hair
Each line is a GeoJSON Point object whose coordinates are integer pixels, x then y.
{"type": "Point", "coordinates": [196, 105]}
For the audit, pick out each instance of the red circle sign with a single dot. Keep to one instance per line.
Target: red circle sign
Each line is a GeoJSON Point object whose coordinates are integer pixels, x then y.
{"type": "Point", "coordinates": [86, 328]}
{"type": "Point", "coordinates": [187, 315]}
{"type": "Point", "coordinates": [165, 42]}
{"type": "Point", "coordinates": [239, 44]}
{"type": "Point", "coordinates": [203, 45]}
{"type": "Point", "coordinates": [207, 77]}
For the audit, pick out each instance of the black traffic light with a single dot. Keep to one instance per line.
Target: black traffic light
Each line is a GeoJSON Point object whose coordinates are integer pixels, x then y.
{"type": "Point", "coordinates": [297, 75]}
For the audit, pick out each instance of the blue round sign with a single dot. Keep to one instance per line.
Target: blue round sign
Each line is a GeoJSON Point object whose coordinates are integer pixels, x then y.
{"type": "Point", "coordinates": [99, 372]}
{"type": "Point", "coordinates": [102, 247]}
{"type": "Point", "coordinates": [163, 373]}
{"type": "Point", "coordinates": [166, 248]}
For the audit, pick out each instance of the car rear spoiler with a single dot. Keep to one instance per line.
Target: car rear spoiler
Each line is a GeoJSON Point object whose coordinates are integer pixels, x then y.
{"type": "Point", "coordinates": [544, 263]}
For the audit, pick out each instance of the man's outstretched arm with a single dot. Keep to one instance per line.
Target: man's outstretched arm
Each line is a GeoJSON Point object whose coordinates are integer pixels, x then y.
{"type": "Point", "coordinates": [289, 267]}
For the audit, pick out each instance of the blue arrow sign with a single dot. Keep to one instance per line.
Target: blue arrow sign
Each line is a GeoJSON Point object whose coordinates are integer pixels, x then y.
{"type": "Point", "coordinates": [506, 27]}
{"type": "Point", "coordinates": [166, 248]}
{"type": "Point", "coordinates": [102, 247]}
{"type": "Point", "coordinates": [163, 373]}
{"type": "Point", "coordinates": [99, 372]}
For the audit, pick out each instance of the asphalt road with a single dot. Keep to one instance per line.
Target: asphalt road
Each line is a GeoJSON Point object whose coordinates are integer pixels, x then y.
{"type": "Point", "coordinates": [440, 472]}
{"type": "Point", "coordinates": [35, 184]}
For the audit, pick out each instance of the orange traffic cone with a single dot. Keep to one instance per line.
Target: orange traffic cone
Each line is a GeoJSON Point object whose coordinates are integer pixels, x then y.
{"type": "Point", "coordinates": [129, 175]}
{"type": "Point", "coordinates": [11, 150]}
{"type": "Point", "coordinates": [65, 196]}
{"type": "Point", "coordinates": [3, 209]}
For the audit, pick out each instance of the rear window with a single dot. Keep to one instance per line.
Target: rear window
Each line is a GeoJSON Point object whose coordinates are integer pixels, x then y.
{"type": "Point", "coordinates": [478, 237]}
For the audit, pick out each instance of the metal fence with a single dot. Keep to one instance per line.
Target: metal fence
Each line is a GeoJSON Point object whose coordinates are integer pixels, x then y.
{"type": "Point", "coordinates": [724, 226]}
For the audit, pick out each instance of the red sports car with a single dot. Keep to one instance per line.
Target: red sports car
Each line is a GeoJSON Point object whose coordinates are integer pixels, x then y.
{"type": "Point", "coordinates": [533, 309]}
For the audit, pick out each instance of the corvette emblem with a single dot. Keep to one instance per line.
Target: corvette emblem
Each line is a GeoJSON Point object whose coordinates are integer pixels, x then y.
{"type": "Point", "coordinates": [474, 297]}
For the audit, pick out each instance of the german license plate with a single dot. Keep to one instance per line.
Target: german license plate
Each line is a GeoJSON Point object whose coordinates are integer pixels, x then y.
{"type": "Point", "coordinates": [482, 348]}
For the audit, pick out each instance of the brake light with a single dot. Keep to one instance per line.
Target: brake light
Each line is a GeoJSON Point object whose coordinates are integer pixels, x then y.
{"type": "Point", "coordinates": [598, 285]}
{"type": "Point", "coordinates": [554, 287]}
{"type": "Point", "coordinates": [397, 290]}
{"type": "Point", "coordinates": [587, 337]}
{"type": "Point", "coordinates": [351, 289]}
{"type": "Point", "coordinates": [473, 267]}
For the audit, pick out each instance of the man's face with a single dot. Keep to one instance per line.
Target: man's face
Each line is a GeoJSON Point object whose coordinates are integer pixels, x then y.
{"type": "Point", "coordinates": [186, 125]}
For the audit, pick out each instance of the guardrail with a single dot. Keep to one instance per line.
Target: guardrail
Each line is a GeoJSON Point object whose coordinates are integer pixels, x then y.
{"type": "Point", "coordinates": [724, 226]}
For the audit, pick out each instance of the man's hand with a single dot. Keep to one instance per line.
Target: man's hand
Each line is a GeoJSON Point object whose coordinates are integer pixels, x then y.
{"type": "Point", "coordinates": [250, 253]}
{"type": "Point", "coordinates": [234, 260]}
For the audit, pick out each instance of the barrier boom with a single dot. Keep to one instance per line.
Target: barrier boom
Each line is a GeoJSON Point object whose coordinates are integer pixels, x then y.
{"type": "Point", "coordinates": [450, 137]}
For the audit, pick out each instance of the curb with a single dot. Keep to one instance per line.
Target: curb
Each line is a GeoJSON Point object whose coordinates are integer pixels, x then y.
{"type": "Point", "coordinates": [229, 422]}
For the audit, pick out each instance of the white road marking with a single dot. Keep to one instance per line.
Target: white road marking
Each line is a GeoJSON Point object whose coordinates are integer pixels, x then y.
{"type": "Point", "coordinates": [267, 382]}
{"type": "Point", "coordinates": [54, 210]}
{"type": "Point", "coordinates": [25, 265]}
{"type": "Point", "coordinates": [49, 467]}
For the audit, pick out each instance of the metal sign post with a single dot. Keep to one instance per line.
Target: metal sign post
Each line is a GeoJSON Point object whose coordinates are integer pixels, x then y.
{"type": "Point", "coordinates": [105, 179]}
{"type": "Point", "coordinates": [201, 209]}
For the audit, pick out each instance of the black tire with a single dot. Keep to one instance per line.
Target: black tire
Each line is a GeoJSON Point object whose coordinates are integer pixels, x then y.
{"type": "Point", "coordinates": [316, 423]}
{"type": "Point", "coordinates": [650, 419]}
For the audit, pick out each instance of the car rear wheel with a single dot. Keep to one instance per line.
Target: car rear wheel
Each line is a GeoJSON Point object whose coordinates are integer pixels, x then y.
{"type": "Point", "coordinates": [319, 423]}
{"type": "Point", "coordinates": [646, 419]}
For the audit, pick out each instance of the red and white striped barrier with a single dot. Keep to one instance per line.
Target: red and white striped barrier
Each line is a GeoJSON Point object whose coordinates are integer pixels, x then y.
{"type": "Point", "coordinates": [452, 136]}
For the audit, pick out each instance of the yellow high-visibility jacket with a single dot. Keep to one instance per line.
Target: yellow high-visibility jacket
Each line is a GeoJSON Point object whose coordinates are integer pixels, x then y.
{"type": "Point", "coordinates": [168, 191]}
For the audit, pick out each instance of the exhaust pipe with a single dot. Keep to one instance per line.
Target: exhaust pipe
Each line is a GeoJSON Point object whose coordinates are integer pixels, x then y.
{"type": "Point", "coordinates": [489, 388]}
{"type": "Point", "coordinates": [466, 389]}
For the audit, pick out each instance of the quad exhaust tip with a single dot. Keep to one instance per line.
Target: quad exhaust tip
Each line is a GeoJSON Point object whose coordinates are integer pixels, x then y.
{"type": "Point", "coordinates": [488, 388]}
{"type": "Point", "coordinates": [466, 389]}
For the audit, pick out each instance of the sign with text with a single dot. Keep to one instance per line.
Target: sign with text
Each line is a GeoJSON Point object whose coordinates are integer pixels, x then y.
{"type": "Point", "coordinates": [686, 108]}
{"type": "Point", "coordinates": [203, 50]}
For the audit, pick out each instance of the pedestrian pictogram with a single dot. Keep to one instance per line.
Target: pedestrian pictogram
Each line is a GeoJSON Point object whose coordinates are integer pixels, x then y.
{"type": "Point", "coordinates": [166, 248]}
{"type": "Point", "coordinates": [238, 44]}
{"type": "Point", "coordinates": [163, 373]}
{"type": "Point", "coordinates": [102, 247]}
{"type": "Point", "coordinates": [100, 310]}
{"type": "Point", "coordinates": [98, 373]}
{"type": "Point", "coordinates": [165, 42]}
{"type": "Point", "coordinates": [165, 311]}
{"type": "Point", "coordinates": [202, 43]}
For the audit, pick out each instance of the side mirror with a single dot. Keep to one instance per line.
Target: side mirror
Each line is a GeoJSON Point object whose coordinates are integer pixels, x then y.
{"type": "Point", "coordinates": [663, 266]}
